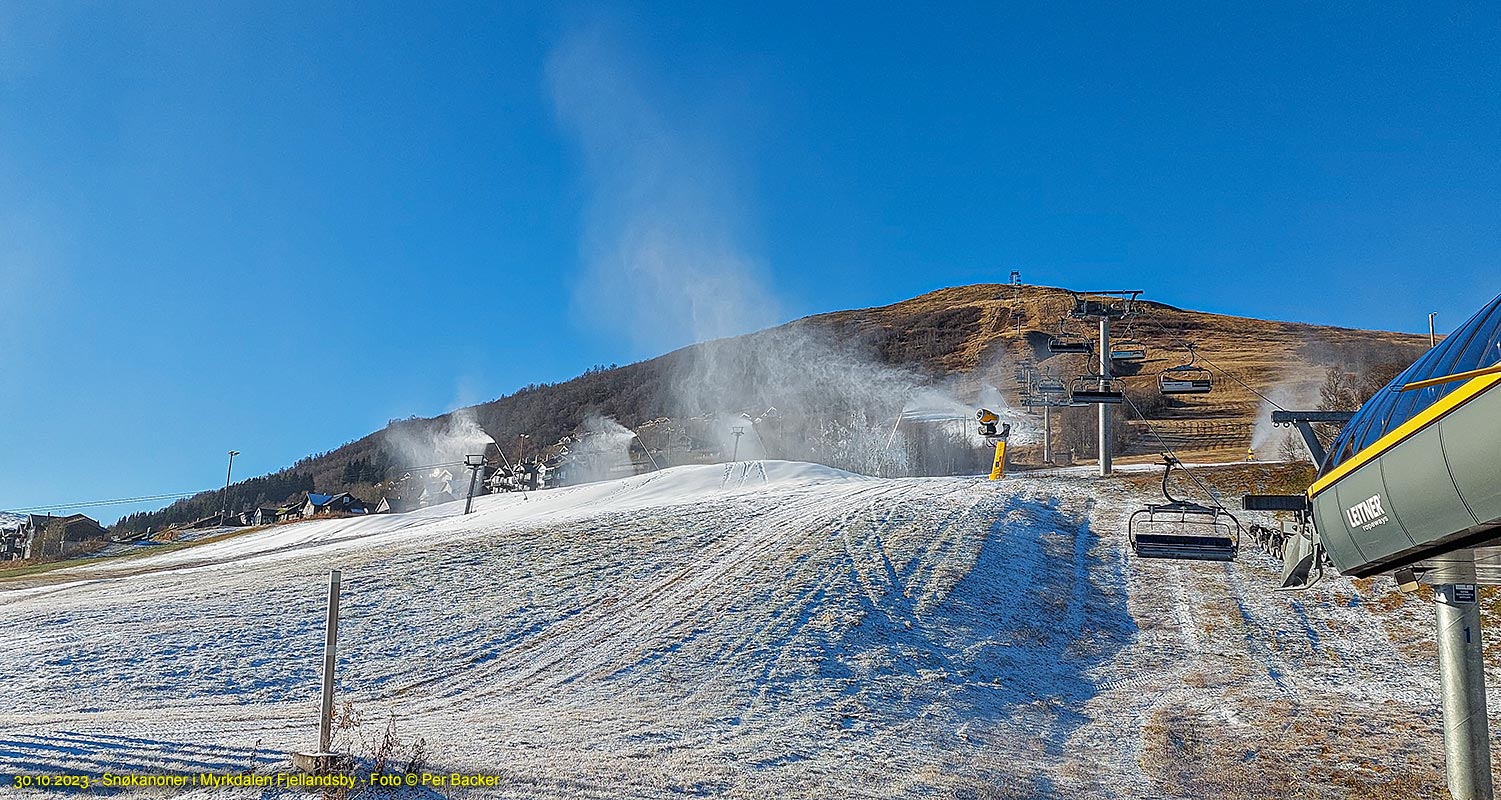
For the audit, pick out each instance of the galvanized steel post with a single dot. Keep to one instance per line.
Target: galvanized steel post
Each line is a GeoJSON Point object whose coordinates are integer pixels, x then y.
{"type": "Point", "coordinates": [1467, 751]}
{"type": "Point", "coordinates": [1105, 466]}
{"type": "Point", "coordinates": [330, 644]}
{"type": "Point", "coordinates": [1047, 430]}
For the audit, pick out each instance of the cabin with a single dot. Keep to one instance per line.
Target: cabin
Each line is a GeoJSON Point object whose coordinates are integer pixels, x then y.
{"type": "Point", "coordinates": [263, 516]}
{"type": "Point", "coordinates": [345, 503]}
{"type": "Point", "coordinates": [46, 536]}
{"type": "Point", "coordinates": [420, 491]}
{"type": "Point", "coordinates": [392, 504]}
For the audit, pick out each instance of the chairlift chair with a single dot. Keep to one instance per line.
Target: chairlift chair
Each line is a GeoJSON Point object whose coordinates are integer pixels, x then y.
{"type": "Point", "coordinates": [1049, 384]}
{"type": "Point", "coordinates": [1063, 345]}
{"type": "Point", "coordinates": [1092, 390]}
{"type": "Point", "coordinates": [1186, 378]}
{"type": "Point", "coordinates": [1128, 350]}
{"type": "Point", "coordinates": [1182, 529]}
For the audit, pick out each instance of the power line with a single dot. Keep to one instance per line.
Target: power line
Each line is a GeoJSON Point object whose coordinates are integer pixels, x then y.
{"type": "Point", "coordinates": [176, 495]}
{"type": "Point", "coordinates": [115, 502]}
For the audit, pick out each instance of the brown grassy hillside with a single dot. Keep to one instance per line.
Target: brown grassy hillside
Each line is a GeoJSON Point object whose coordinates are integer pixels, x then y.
{"type": "Point", "coordinates": [964, 337]}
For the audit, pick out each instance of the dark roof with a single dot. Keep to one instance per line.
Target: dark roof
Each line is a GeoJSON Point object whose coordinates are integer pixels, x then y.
{"type": "Point", "coordinates": [1476, 344]}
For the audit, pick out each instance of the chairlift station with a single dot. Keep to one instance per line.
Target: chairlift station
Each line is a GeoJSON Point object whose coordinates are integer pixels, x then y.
{"type": "Point", "coordinates": [1410, 487]}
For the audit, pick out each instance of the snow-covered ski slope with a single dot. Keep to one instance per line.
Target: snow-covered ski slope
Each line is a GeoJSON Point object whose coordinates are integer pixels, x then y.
{"type": "Point", "coordinates": [762, 629]}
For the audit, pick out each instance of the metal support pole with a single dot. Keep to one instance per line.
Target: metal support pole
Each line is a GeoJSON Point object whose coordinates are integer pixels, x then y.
{"type": "Point", "coordinates": [1431, 339]}
{"type": "Point", "coordinates": [473, 476]}
{"type": "Point", "coordinates": [224, 513]}
{"type": "Point", "coordinates": [1105, 466]}
{"type": "Point", "coordinates": [1467, 751]}
{"type": "Point", "coordinates": [330, 646]}
{"type": "Point", "coordinates": [1047, 431]}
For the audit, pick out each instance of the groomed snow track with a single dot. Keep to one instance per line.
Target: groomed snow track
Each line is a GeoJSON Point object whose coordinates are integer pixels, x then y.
{"type": "Point", "coordinates": [750, 630]}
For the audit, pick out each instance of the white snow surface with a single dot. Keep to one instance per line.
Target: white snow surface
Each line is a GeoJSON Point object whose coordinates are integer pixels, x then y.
{"type": "Point", "coordinates": [748, 630]}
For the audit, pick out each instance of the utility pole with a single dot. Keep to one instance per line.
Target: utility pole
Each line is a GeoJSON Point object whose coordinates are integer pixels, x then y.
{"type": "Point", "coordinates": [1431, 339]}
{"type": "Point", "coordinates": [738, 431]}
{"type": "Point", "coordinates": [642, 442]}
{"type": "Point", "coordinates": [474, 464]}
{"type": "Point", "coordinates": [224, 513]}
{"type": "Point", "coordinates": [1105, 465]}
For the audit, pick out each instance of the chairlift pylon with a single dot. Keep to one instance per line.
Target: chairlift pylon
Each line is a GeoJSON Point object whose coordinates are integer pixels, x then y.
{"type": "Point", "coordinates": [1182, 529]}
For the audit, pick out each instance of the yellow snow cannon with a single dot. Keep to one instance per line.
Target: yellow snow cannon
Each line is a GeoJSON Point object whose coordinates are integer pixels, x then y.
{"type": "Point", "coordinates": [988, 420]}
{"type": "Point", "coordinates": [988, 428]}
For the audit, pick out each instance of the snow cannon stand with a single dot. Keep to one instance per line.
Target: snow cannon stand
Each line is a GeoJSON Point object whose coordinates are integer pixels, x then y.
{"type": "Point", "coordinates": [989, 421]}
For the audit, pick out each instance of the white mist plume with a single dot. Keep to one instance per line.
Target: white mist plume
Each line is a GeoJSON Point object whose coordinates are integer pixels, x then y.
{"type": "Point", "coordinates": [443, 441]}
{"type": "Point", "coordinates": [1266, 438]}
{"type": "Point", "coordinates": [601, 450]}
{"type": "Point", "coordinates": [666, 265]}
{"type": "Point", "coordinates": [664, 261]}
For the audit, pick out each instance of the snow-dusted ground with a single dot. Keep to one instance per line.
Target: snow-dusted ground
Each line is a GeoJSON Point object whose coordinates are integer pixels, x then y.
{"type": "Point", "coordinates": [750, 630]}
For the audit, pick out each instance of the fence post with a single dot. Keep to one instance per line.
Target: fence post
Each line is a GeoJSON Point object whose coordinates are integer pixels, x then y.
{"type": "Point", "coordinates": [324, 761]}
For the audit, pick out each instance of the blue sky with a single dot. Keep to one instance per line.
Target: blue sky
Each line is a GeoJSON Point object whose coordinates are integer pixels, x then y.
{"type": "Point", "coordinates": [273, 227]}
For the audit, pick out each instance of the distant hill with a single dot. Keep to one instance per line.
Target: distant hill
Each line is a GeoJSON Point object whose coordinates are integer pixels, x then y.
{"type": "Point", "coordinates": [844, 377]}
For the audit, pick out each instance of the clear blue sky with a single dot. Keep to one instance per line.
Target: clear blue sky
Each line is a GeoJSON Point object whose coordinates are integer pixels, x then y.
{"type": "Point", "coordinates": [273, 227]}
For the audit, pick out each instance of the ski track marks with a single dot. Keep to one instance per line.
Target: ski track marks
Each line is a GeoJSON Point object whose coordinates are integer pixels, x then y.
{"type": "Point", "coordinates": [741, 630]}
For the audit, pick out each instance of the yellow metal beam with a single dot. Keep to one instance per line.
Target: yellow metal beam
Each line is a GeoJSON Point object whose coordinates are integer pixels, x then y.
{"type": "Point", "coordinates": [1472, 389]}
{"type": "Point", "coordinates": [1458, 376]}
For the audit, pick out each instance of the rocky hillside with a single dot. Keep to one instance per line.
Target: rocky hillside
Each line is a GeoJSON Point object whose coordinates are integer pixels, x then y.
{"type": "Point", "coordinates": [849, 374]}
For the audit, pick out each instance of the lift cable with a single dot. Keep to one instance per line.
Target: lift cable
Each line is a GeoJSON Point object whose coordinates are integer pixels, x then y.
{"type": "Point", "coordinates": [1168, 451]}
{"type": "Point", "coordinates": [1200, 356]}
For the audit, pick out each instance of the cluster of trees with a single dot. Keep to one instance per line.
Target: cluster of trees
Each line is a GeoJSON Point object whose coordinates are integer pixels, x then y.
{"type": "Point", "coordinates": [1347, 390]}
{"type": "Point", "coordinates": [265, 490]}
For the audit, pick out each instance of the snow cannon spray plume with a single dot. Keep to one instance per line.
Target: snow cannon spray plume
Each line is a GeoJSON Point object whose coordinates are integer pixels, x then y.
{"type": "Point", "coordinates": [446, 440]}
{"type": "Point", "coordinates": [667, 265]}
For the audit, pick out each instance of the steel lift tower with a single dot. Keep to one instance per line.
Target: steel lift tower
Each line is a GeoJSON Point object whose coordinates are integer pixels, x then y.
{"type": "Point", "coordinates": [1103, 307]}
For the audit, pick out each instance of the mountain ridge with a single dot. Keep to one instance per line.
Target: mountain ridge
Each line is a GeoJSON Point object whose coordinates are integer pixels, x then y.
{"type": "Point", "coordinates": [968, 339]}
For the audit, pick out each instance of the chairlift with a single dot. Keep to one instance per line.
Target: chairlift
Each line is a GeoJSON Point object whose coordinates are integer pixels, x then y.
{"type": "Point", "coordinates": [1093, 390]}
{"type": "Point", "coordinates": [1059, 345]}
{"type": "Point", "coordinates": [1182, 529]}
{"type": "Point", "coordinates": [1128, 350]}
{"type": "Point", "coordinates": [1186, 378]}
{"type": "Point", "coordinates": [1062, 343]}
{"type": "Point", "coordinates": [1049, 384]}
{"type": "Point", "coordinates": [1034, 401]}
